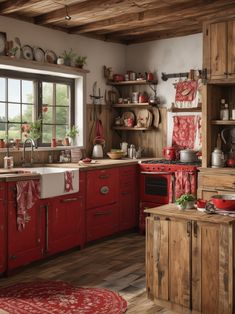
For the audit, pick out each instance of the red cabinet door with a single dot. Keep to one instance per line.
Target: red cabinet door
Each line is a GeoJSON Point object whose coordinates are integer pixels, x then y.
{"type": "Point", "coordinates": [128, 197]}
{"type": "Point", "coordinates": [3, 228]}
{"type": "Point", "coordinates": [102, 187]}
{"type": "Point", "coordinates": [24, 246]}
{"type": "Point", "coordinates": [102, 221]}
{"type": "Point", "coordinates": [64, 226]}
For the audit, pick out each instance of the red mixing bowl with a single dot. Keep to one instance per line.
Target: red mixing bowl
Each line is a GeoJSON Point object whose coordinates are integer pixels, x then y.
{"type": "Point", "coordinates": [224, 202]}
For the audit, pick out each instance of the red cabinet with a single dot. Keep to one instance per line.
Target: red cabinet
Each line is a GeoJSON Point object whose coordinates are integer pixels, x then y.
{"type": "Point", "coordinates": [128, 197]}
{"type": "Point", "coordinates": [102, 187]}
{"type": "Point", "coordinates": [64, 218]}
{"type": "Point", "coordinates": [24, 246]}
{"type": "Point", "coordinates": [3, 228]}
{"type": "Point", "coordinates": [102, 221]}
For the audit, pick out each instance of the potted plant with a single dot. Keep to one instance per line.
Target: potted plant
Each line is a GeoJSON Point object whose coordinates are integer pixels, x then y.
{"type": "Point", "coordinates": [80, 61]}
{"type": "Point", "coordinates": [12, 52]}
{"type": "Point", "coordinates": [72, 133]}
{"type": "Point", "coordinates": [33, 129]}
{"type": "Point", "coordinates": [68, 56]}
{"type": "Point", "coordinates": [186, 201]}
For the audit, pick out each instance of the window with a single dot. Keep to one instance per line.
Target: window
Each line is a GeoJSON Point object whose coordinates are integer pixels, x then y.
{"type": "Point", "coordinates": [29, 98]}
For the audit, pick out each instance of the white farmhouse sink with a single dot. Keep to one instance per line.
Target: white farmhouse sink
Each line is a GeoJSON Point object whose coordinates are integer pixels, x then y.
{"type": "Point", "coordinates": [52, 181]}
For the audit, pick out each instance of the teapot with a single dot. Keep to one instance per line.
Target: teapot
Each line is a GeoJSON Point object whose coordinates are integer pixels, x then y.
{"type": "Point", "coordinates": [97, 151]}
{"type": "Point", "coordinates": [124, 147]}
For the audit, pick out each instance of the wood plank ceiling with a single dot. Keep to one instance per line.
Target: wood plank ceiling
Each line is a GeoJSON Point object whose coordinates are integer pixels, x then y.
{"type": "Point", "coordinates": [124, 21]}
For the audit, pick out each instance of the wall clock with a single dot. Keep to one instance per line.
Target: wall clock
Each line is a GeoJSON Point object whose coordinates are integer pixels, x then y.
{"type": "Point", "coordinates": [3, 38]}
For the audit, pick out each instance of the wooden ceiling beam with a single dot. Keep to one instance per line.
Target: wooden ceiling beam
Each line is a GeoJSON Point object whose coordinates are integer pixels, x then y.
{"type": "Point", "coordinates": [10, 6]}
{"type": "Point", "coordinates": [93, 9]}
{"type": "Point", "coordinates": [192, 9]}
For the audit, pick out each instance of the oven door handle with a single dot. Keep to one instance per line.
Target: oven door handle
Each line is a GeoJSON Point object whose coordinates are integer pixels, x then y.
{"type": "Point", "coordinates": [160, 172]}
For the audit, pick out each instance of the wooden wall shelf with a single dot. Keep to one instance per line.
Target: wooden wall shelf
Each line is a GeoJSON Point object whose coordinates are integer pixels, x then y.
{"type": "Point", "coordinates": [223, 122]}
{"type": "Point", "coordinates": [9, 63]}
{"type": "Point", "coordinates": [126, 128]}
{"type": "Point", "coordinates": [185, 109]}
{"type": "Point", "coordinates": [131, 105]}
{"type": "Point", "coordinates": [126, 83]}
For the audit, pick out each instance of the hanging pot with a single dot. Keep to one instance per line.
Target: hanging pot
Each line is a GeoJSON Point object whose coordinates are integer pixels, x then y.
{"type": "Point", "coordinates": [188, 155]}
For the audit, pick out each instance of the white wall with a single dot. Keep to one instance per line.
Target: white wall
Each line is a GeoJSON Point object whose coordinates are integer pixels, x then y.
{"type": "Point", "coordinates": [166, 55]}
{"type": "Point", "coordinates": [98, 53]}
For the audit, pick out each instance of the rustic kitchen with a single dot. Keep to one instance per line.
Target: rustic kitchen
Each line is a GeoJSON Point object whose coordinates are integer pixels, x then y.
{"type": "Point", "coordinates": [117, 156]}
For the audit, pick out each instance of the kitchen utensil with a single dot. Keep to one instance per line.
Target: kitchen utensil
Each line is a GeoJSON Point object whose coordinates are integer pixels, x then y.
{"type": "Point", "coordinates": [97, 151]}
{"type": "Point", "coordinates": [156, 117]}
{"type": "Point", "coordinates": [134, 97]}
{"type": "Point", "coordinates": [124, 147]}
{"type": "Point", "coordinates": [188, 155]}
{"type": "Point", "coordinates": [118, 77]}
{"type": "Point", "coordinates": [116, 154]}
{"type": "Point", "coordinates": [27, 52]}
{"type": "Point", "coordinates": [149, 76]}
{"type": "Point", "coordinates": [133, 76]}
{"type": "Point", "coordinates": [169, 153]}
{"type": "Point", "coordinates": [217, 158]}
{"type": "Point", "coordinates": [39, 54]}
{"type": "Point", "coordinates": [132, 151]}
{"type": "Point", "coordinates": [224, 201]}
{"type": "Point", "coordinates": [50, 56]}
{"type": "Point", "coordinates": [144, 118]}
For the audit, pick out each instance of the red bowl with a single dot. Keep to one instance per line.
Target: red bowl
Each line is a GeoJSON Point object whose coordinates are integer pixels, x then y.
{"type": "Point", "coordinates": [224, 202]}
{"type": "Point", "coordinates": [201, 203]}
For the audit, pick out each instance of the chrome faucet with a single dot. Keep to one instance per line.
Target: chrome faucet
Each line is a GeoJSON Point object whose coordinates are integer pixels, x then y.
{"type": "Point", "coordinates": [33, 145]}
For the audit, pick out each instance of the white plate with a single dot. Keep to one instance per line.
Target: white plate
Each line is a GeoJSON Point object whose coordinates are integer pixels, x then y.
{"type": "Point", "coordinates": [27, 52]}
{"type": "Point", "coordinates": [39, 54]}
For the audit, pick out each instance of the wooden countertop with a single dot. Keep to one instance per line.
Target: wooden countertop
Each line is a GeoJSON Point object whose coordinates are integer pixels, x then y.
{"type": "Point", "coordinates": [172, 211]}
{"type": "Point", "coordinates": [225, 170]}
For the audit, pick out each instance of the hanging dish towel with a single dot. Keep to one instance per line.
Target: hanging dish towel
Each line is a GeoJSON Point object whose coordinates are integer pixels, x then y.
{"type": "Point", "coordinates": [28, 192]}
{"type": "Point", "coordinates": [186, 94]}
{"type": "Point", "coordinates": [68, 181]}
{"type": "Point", "coordinates": [184, 131]}
{"type": "Point", "coordinates": [185, 183]}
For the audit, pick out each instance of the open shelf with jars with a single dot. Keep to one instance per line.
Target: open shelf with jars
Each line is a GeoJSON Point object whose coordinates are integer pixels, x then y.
{"type": "Point", "coordinates": [132, 97]}
{"type": "Point", "coordinates": [213, 125]}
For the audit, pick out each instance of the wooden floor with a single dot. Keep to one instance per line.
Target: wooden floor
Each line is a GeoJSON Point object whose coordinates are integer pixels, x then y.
{"type": "Point", "coordinates": [117, 263]}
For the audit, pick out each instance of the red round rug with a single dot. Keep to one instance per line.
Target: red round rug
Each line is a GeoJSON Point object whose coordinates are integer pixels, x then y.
{"type": "Point", "coordinates": [59, 298]}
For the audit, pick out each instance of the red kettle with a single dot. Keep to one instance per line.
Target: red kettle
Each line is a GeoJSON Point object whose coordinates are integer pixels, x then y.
{"type": "Point", "coordinates": [169, 153]}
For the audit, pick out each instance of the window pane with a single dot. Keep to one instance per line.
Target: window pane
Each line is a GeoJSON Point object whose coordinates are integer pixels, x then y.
{"type": "Point", "coordinates": [47, 93]}
{"type": "Point", "coordinates": [27, 113]}
{"type": "Point", "coordinates": [2, 89]}
{"type": "Point", "coordinates": [62, 115]}
{"type": "Point", "coordinates": [14, 131]}
{"type": "Point", "coordinates": [47, 133]}
{"type": "Point", "coordinates": [2, 130]}
{"type": "Point", "coordinates": [47, 114]}
{"type": "Point", "coordinates": [27, 92]}
{"type": "Point", "coordinates": [61, 132]}
{"type": "Point", "coordinates": [2, 111]}
{"type": "Point", "coordinates": [62, 95]}
{"type": "Point", "coordinates": [14, 112]}
{"type": "Point", "coordinates": [13, 90]}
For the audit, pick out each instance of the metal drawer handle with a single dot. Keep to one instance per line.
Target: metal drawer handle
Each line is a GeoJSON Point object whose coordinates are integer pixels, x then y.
{"type": "Point", "coordinates": [67, 200]}
{"type": "Point", "coordinates": [103, 213]}
{"type": "Point", "coordinates": [104, 190]}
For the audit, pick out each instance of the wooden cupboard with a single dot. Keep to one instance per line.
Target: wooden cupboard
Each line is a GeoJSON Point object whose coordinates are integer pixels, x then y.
{"type": "Point", "coordinates": [190, 260]}
{"type": "Point", "coordinates": [219, 50]}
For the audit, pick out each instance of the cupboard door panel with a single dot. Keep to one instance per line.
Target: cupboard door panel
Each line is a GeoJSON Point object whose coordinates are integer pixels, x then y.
{"type": "Point", "coordinates": [179, 262]}
{"type": "Point", "coordinates": [231, 48]}
{"type": "Point", "coordinates": [218, 50]}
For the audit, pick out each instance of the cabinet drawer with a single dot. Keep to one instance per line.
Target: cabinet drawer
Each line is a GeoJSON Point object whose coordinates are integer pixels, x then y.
{"type": "Point", "coordinates": [218, 181]}
{"type": "Point", "coordinates": [102, 187]}
{"type": "Point", "coordinates": [102, 222]}
{"type": "Point", "coordinates": [127, 177]}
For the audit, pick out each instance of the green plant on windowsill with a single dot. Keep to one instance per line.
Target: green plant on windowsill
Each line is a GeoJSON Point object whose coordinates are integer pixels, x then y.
{"type": "Point", "coordinates": [80, 61]}
{"type": "Point", "coordinates": [186, 201]}
{"type": "Point", "coordinates": [68, 56]}
{"type": "Point", "coordinates": [72, 133]}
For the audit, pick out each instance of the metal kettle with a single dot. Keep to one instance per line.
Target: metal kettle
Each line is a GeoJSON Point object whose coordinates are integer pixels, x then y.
{"type": "Point", "coordinates": [97, 151]}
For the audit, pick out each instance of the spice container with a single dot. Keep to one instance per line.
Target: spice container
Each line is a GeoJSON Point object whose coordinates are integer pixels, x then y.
{"type": "Point", "coordinates": [8, 162]}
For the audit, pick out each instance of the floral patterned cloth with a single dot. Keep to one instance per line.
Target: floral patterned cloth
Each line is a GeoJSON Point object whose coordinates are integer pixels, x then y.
{"type": "Point", "coordinates": [68, 181]}
{"type": "Point", "coordinates": [185, 129]}
{"type": "Point", "coordinates": [28, 192]}
{"type": "Point", "coordinates": [185, 183]}
{"type": "Point", "coordinates": [186, 94]}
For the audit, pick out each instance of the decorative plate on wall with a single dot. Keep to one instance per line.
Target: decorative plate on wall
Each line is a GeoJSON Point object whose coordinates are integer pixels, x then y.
{"type": "Point", "coordinates": [3, 38]}
{"type": "Point", "coordinates": [39, 54]}
{"type": "Point", "coordinates": [50, 56]}
{"type": "Point", "coordinates": [27, 52]}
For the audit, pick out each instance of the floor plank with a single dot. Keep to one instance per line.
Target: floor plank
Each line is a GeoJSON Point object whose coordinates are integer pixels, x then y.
{"type": "Point", "coordinates": [117, 264]}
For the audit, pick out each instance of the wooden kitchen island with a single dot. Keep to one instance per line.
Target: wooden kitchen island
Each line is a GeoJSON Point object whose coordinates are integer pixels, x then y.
{"type": "Point", "coordinates": [190, 260]}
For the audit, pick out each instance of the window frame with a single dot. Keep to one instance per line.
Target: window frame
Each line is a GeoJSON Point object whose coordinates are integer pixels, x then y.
{"type": "Point", "coordinates": [38, 80]}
